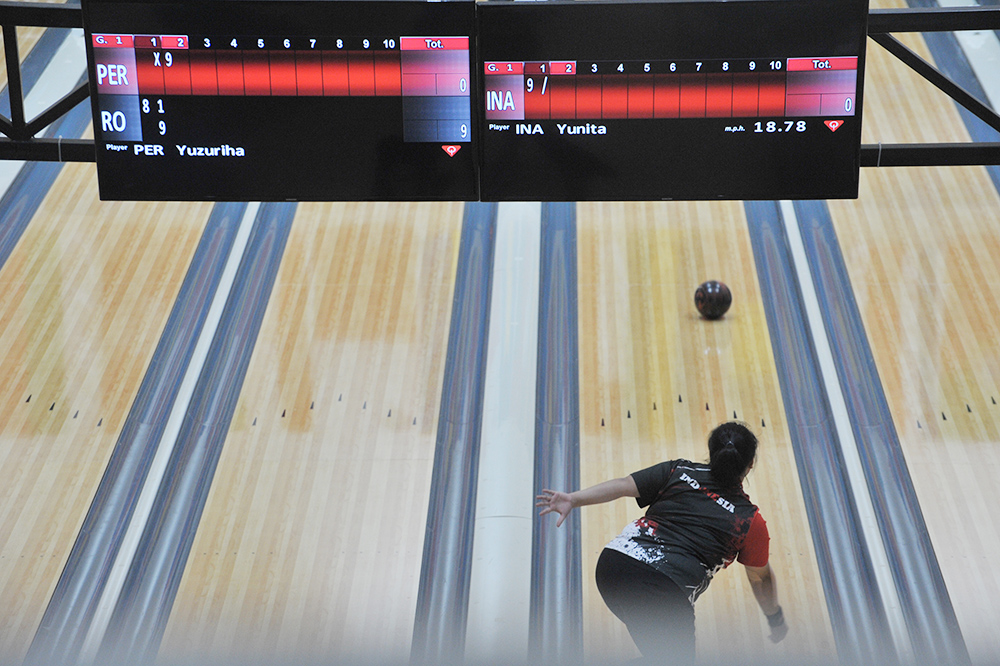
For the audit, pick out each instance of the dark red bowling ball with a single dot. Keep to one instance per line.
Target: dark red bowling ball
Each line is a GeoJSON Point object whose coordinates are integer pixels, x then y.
{"type": "Point", "coordinates": [712, 299]}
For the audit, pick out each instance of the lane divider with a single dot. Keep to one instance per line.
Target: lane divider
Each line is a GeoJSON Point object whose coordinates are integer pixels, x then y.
{"type": "Point", "coordinates": [164, 451]}
{"type": "Point", "coordinates": [71, 608]}
{"type": "Point", "coordinates": [439, 628]}
{"type": "Point", "coordinates": [845, 435]}
{"type": "Point", "coordinates": [500, 592]}
{"type": "Point", "coordinates": [143, 609]}
{"type": "Point", "coordinates": [858, 618]}
{"type": "Point", "coordinates": [556, 619]}
{"type": "Point", "coordinates": [925, 606]}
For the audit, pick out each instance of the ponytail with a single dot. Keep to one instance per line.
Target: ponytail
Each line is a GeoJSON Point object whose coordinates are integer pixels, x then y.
{"type": "Point", "coordinates": [731, 450]}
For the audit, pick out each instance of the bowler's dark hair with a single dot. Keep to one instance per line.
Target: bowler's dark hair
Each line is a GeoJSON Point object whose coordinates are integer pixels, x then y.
{"type": "Point", "coordinates": [731, 450]}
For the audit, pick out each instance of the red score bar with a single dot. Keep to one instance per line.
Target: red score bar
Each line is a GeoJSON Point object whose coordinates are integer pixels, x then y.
{"type": "Point", "coordinates": [551, 68]}
{"type": "Point", "coordinates": [493, 68]}
{"type": "Point", "coordinates": [164, 65]}
{"type": "Point", "coordinates": [434, 43]}
{"type": "Point", "coordinates": [169, 42]}
{"type": "Point", "coordinates": [598, 97]}
{"type": "Point", "coordinates": [112, 41]}
{"type": "Point", "coordinates": [270, 73]}
{"type": "Point", "coordinates": [173, 41]}
{"type": "Point", "coordinates": [821, 64]}
{"type": "Point", "coordinates": [275, 73]}
{"type": "Point", "coordinates": [802, 87]}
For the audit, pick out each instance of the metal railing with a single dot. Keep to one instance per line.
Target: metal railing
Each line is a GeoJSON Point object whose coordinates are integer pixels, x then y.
{"type": "Point", "coordinates": [20, 141]}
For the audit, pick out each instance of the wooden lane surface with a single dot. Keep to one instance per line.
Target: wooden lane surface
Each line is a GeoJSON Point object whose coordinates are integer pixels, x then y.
{"type": "Point", "coordinates": [27, 36]}
{"type": "Point", "coordinates": [921, 247]}
{"type": "Point", "coordinates": [84, 297]}
{"type": "Point", "coordinates": [899, 105]}
{"type": "Point", "coordinates": [643, 343]}
{"type": "Point", "coordinates": [311, 541]}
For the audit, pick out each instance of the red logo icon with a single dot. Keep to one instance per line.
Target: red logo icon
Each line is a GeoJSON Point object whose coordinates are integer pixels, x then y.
{"type": "Point", "coordinates": [834, 125]}
{"type": "Point", "coordinates": [451, 150]}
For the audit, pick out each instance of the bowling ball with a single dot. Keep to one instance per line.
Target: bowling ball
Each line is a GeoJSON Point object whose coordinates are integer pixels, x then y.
{"type": "Point", "coordinates": [712, 299]}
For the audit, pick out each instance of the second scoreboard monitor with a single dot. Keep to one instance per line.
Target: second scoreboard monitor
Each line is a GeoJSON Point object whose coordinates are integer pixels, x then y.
{"type": "Point", "coordinates": [672, 100]}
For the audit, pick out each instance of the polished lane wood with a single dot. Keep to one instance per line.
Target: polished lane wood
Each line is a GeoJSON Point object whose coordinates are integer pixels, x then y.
{"type": "Point", "coordinates": [27, 36]}
{"type": "Point", "coordinates": [84, 297]}
{"type": "Point", "coordinates": [921, 247]}
{"type": "Point", "coordinates": [655, 378]}
{"type": "Point", "coordinates": [311, 541]}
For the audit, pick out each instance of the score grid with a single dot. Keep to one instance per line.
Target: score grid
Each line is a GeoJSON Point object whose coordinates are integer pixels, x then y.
{"type": "Point", "coordinates": [429, 73]}
{"type": "Point", "coordinates": [567, 90]}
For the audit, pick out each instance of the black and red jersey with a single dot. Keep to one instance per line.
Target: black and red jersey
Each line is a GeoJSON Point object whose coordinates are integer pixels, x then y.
{"type": "Point", "coordinates": [693, 527]}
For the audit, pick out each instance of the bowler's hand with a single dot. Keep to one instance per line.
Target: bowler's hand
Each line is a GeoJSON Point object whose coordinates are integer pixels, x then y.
{"type": "Point", "coordinates": [554, 501]}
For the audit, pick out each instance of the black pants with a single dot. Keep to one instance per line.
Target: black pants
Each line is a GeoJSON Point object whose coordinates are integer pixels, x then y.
{"type": "Point", "coordinates": [656, 611]}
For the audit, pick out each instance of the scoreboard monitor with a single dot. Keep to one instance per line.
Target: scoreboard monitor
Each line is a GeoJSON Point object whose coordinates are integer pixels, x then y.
{"type": "Point", "coordinates": [751, 99]}
{"type": "Point", "coordinates": [283, 100]}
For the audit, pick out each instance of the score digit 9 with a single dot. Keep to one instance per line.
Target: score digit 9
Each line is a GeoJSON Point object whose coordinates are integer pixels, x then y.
{"type": "Point", "coordinates": [151, 106]}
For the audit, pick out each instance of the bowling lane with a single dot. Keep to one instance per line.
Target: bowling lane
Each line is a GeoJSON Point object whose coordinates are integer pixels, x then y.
{"type": "Point", "coordinates": [901, 106]}
{"type": "Point", "coordinates": [27, 36]}
{"type": "Point", "coordinates": [921, 248]}
{"type": "Point", "coordinates": [26, 39]}
{"type": "Point", "coordinates": [311, 540]}
{"type": "Point", "coordinates": [84, 297]}
{"type": "Point", "coordinates": [656, 378]}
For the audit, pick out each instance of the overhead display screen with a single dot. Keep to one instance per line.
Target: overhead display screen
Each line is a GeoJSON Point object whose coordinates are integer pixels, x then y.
{"type": "Point", "coordinates": [284, 100]}
{"type": "Point", "coordinates": [671, 100]}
